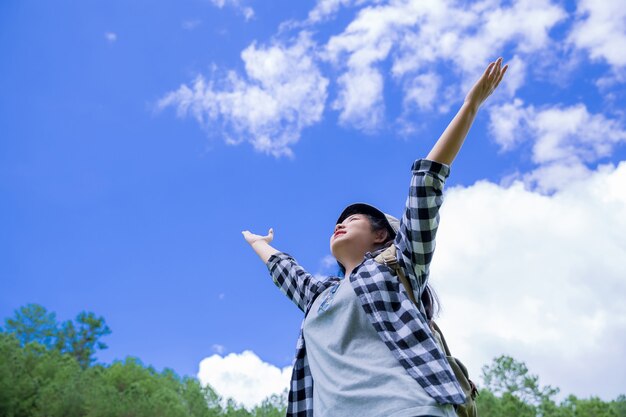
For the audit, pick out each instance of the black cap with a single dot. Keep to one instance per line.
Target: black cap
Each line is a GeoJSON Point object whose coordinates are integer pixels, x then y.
{"type": "Point", "coordinates": [393, 224]}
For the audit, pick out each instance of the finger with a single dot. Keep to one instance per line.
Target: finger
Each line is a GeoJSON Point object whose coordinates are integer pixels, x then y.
{"type": "Point", "coordinates": [488, 69]}
{"type": "Point", "coordinates": [501, 75]}
{"type": "Point", "coordinates": [502, 72]}
{"type": "Point", "coordinates": [496, 69]}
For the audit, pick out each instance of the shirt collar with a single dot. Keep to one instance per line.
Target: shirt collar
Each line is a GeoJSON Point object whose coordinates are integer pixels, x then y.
{"type": "Point", "coordinates": [378, 251]}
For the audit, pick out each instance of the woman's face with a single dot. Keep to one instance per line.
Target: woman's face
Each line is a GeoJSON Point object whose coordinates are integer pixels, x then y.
{"type": "Point", "coordinates": [354, 235]}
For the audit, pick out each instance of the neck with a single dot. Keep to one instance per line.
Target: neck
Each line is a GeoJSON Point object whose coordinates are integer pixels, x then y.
{"type": "Point", "coordinates": [350, 265]}
{"type": "Point", "coordinates": [353, 262]}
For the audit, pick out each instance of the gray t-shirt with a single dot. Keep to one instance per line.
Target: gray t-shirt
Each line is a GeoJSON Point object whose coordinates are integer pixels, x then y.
{"type": "Point", "coordinates": [354, 372]}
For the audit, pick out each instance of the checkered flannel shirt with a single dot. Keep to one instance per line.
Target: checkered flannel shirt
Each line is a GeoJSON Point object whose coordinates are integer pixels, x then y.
{"type": "Point", "coordinates": [401, 326]}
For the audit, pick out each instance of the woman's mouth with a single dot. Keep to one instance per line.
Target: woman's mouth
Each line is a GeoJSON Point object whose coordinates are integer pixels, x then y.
{"type": "Point", "coordinates": [339, 233]}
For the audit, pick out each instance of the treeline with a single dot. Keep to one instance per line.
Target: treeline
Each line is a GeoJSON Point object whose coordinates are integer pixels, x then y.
{"type": "Point", "coordinates": [47, 369]}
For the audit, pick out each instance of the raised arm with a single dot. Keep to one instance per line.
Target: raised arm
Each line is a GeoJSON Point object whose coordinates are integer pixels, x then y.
{"type": "Point", "coordinates": [291, 278]}
{"type": "Point", "coordinates": [449, 144]}
{"type": "Point", "coordinates": [415, 240]}
{"type": "Point", "coordinates": [261, 244]}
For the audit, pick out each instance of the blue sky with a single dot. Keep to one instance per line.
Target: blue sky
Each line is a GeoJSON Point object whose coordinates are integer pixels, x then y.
{"type": "Point", "coordinates": [139, 139]}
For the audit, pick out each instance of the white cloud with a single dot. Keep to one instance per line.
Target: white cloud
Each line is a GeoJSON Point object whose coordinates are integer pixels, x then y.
{"type": "Point", "coordinates": [564, 139]}
{"type": "Point", "coordinates": [360, 99]}
{"type": "Point", "coordinates": [515, 75]}
{"type": "Point", "coordinates": [505, 123]}
{"type": "Point", "coordinates": [600, 29]}
{"type": "Point", "coordinates": [422, 91]}
{"type": "Point", "coordinates": [243, 377]}
{"type": "Point", "coordinates": [329, 261]}
{"type": "Point", "coordinates": [248, 12]}
{"type": "Point", "coordinates": [110, 36]}
{"type": "Point", "coordinates": [282, 93]}
{"type": "Point", "coordinates": [326, 9]}
{"type": "Point", "coordinates": [436, 50]}
{"type": "Point", "coordinates": [191, 24]}
{"type": "Point", "coordinates": [420, 36]}
{"type": "Point", "coordinates": [536, 277]}
{"type": "Point", "coordinates": [328, 266]}
{"type": "Point", "coordinates": [540, 278]}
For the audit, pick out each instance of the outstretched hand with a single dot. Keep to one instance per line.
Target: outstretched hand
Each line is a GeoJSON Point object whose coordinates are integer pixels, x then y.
{"type": "Point", "coordinates": [487, 83]}
{"type": "Point", "coordinates": [252, 238]}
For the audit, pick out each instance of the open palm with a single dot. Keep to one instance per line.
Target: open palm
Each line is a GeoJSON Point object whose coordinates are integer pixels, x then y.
{"type": "Point", "coordinates": [251, 237]}
{"type": "Point", "coordinates": [487, 83]}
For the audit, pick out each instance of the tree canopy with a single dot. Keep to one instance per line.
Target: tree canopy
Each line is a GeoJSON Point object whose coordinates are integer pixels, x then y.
{"type": "Point", "coordinates": [47, 369]}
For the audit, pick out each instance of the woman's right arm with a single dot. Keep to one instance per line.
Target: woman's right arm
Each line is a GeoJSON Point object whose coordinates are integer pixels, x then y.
{"type": "Point", "coordinates": [292, 280]}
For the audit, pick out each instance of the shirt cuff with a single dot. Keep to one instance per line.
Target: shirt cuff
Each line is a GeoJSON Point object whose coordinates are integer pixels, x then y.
{"type": "Point", "coordinates": [441, 170]}
{"type": "Point", "coordinates": [276, 258]}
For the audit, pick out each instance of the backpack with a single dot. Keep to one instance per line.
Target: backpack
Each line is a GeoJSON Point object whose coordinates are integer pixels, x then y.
{"type": "Point", "coordinates": [388, 257]}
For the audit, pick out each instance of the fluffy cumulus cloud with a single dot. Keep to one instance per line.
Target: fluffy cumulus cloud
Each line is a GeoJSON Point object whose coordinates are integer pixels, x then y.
{"type": "Point", "coordinates": [282, 92]}
{"type": "Point", "coordinates": [564, 140]}
{"type": "Point", "coordinates": [420, 37]}
{"type": "Point", "coordinates": [537, 277]}
{"type": "Point", "coordinates": [600, 30]}
{"type": "Point", "coordinates": [431, 50]}
{"type": "Point", "coordinates": [326, 8]}
{"type": "Point", "coordinates": [243, 377]}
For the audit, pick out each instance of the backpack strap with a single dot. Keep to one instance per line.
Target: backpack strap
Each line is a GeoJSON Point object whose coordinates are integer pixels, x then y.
{"type": "Point", "coordinates": [388, 257]}
{"type": "Point", "coordinates": [443, 339]}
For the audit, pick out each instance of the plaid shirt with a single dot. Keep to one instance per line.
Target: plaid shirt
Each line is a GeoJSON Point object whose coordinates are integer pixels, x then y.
{"type": "Point", "coordinates": [400, 325]}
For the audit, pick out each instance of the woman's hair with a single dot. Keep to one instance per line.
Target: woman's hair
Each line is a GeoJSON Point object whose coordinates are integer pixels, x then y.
{"type": "Point", "coordinates": [429, 298]}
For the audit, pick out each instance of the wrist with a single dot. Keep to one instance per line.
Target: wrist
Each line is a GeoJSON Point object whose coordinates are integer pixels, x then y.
{"type": "Point", "coordinates": [471, 105]}
{"type": "Point", "coordinates": [259, 242]}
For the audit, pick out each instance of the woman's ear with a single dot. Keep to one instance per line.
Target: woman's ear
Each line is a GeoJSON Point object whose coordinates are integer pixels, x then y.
{"type": "Point", "coordinates": [381, 236]}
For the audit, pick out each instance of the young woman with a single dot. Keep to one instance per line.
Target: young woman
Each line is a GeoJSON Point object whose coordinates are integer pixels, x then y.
{"type": "Point", "coordinates": [370, 351]}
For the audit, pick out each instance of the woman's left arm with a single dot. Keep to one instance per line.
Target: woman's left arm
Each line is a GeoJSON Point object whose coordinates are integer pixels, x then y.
{"type": "Point", "coordinates": [415, 240]}
{"type": "Point", "coordinates": [449, 144]}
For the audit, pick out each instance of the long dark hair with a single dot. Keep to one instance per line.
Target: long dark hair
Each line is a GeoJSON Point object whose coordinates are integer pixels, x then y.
{"type": "Point", "coordinates": [429, 298]}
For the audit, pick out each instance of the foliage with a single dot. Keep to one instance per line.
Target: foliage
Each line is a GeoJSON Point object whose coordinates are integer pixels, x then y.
{"type": "Point", "coordinates": [37, 381]}
{"type": "Point", "coordinates": [33, 323]}
{"type": "Point", "coordinates": [511, 392]}
{"type": "Point", "coordinates": [46, 369]}
{"type": "Point", "coordinates": [508, 376]}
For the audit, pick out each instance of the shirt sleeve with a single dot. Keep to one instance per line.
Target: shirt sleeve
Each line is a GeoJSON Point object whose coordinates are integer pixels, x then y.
{"type": "Point", "coordinates": [415, 241]}
{"type": "Point", "coordinates": [292, 280]}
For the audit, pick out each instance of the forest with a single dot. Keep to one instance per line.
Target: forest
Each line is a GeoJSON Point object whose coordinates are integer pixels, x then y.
{"type": "Point", "coordinates": [48, 369]}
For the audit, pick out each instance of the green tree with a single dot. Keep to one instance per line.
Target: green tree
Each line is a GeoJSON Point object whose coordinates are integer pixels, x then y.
{"type": "Point", "coordinates": [506, 405]}
{"type": "Point", "coordinates": [506, 375]}
{"type": "Point", "coordinates": [273, 406]}
{"type": "Point", "coordinates": [82, 340]}
{"type": "Point", "coordinates": [618, 406]}
{"type": "Point", "coordinates": [33, 323]}
{"type": "Point", "coordinates": [37, 381]}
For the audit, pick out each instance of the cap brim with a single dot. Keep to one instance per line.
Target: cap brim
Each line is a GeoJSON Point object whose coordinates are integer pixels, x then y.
{"type": "Point", "coordinates": [364, 208]}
